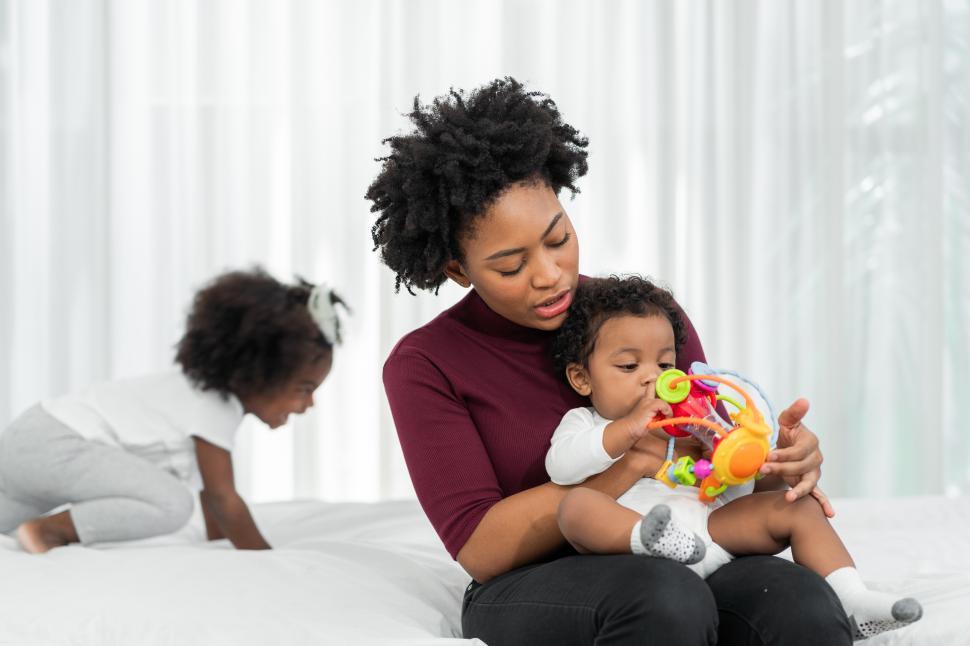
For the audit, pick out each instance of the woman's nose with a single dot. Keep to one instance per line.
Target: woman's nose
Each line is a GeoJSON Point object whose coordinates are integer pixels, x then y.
{"type": "Point", "coordinates": [547, 272]}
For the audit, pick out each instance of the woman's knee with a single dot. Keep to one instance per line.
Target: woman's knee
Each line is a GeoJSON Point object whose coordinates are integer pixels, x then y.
{"type": "Point", "coordinates": [818, 607]}
{"type": "Point", "coordinates": [766, 599]}
{"type": "Point", "coordinates": [658, 596]}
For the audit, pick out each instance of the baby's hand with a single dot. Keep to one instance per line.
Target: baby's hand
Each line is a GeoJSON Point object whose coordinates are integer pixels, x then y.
{"type": "Point", "coordinates": [643, 413]}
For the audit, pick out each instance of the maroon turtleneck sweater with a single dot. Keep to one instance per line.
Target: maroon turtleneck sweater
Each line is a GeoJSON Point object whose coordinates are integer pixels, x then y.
{"type": "Point", "coordinates": [475, 402]}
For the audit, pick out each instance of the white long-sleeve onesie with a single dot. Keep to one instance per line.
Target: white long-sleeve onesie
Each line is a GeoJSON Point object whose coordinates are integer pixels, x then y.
{"type": "Point", "coordinates": [577, 453]}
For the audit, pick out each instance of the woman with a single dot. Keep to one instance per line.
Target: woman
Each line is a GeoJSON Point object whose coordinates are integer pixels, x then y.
{"type": "Point", "coordinates": [471, 195]}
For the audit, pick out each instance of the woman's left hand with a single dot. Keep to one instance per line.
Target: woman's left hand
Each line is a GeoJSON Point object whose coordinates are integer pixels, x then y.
{"type": "Point", "coordinates": [797, 459]}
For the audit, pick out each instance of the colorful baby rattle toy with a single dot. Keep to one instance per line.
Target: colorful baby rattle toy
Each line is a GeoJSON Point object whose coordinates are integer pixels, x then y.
{"type": "Point", "coordinates": [737, 450]}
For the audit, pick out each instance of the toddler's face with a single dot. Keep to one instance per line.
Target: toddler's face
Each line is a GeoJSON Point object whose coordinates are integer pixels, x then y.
{"type": "Point", "coordinates": [629, 354]}
{"type": "Point", "coordinates": [296, 396]}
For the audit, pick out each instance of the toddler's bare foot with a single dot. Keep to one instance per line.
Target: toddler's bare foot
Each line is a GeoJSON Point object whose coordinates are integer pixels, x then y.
{"type": "Point", "coordinates": [38, 536]}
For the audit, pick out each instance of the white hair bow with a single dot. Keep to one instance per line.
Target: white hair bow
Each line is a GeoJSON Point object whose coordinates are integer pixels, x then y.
{"type": "Point", "coordinates": [323, 312]}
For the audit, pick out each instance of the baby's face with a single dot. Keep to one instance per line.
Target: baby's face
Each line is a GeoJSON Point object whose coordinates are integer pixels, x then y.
{"type": "Point", "coordinates": [629, 355]}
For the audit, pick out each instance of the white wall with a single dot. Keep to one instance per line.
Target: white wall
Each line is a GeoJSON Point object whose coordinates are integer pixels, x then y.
{"type": "Point", "coordinates": [796, 172]}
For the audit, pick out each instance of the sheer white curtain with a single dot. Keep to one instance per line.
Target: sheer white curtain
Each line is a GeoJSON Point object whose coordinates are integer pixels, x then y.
{"type": "Point", "coordinates": [798, 173]}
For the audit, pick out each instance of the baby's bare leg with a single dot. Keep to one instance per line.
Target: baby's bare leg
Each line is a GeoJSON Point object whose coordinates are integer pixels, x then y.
{"type": "Point", "coordinates": [766, 523]}
{"type": "Point", "coordinates": [594, 522]}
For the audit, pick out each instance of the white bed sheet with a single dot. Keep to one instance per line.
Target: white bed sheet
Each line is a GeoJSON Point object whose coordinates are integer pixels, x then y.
{"type": "Point", "coordinates": [377, 574]}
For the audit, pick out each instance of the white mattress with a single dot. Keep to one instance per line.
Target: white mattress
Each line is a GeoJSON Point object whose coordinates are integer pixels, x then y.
{"type": "Point", "coordinates": [377, 574]}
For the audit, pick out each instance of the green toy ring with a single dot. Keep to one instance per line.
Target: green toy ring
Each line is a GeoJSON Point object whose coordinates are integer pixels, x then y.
{"type": "Point", "coordinates": [675, 394]}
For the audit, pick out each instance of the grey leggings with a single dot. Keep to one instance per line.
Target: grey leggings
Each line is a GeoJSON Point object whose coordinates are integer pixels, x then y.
{"type": "Point", "coordinates": [114, 495]}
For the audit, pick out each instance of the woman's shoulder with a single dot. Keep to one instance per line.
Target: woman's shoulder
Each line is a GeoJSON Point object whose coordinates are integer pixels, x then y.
{"type": "Point", "coordinates": [440, 334]}
{"type": "Point", "coordinates": [425, 340]}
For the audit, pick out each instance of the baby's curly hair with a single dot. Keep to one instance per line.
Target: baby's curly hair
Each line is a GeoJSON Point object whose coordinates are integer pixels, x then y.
{"type": "Point", "coordinates": [464, 152]}
{"type": "Point", "coordinates": [247, 333]}
{"type": "Point", "coordinates": [600, 299]}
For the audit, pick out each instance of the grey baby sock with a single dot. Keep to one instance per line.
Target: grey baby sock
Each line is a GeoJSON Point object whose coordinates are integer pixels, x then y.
{"type": "Point", "coordinates": [657, 535]}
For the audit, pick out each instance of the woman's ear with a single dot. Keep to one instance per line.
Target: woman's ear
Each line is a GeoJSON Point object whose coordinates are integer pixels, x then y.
{"type": "Point", "coordinates": [578, 378]}
{"type": "Point", "coordinates": [454, 271]}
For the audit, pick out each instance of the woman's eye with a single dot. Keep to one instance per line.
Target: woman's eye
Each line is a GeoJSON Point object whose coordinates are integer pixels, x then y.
{"type": "Point", "coordinates": [513, 272]}
{"type": "Point", "coordinates": [564, 240]}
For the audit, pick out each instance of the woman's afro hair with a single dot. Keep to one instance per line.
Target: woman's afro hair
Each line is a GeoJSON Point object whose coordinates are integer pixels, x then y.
{"type": "Point", "coordinates": [247, 333]}
{"type": "Point", "coordinates": [464, 151]}
{"type": "Point", "coordinates": [599, 299]}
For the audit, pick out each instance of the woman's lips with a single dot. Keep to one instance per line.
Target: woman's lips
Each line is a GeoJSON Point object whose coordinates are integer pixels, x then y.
{"type": "Point", "coordinates": [556, 307]}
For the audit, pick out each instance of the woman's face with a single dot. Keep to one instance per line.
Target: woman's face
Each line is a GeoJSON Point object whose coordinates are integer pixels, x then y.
{"type": "Point", "coordinates": [522, 256]}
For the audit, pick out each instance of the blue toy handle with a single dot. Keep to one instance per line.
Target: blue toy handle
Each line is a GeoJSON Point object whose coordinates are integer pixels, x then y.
{"type": "Point", "coordinates": [701, 368]}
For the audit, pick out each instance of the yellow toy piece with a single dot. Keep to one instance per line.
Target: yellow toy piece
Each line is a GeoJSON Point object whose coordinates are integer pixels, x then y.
{"type": "Point", "coordinates": [662, 475]}
{"type": "Point", "coordinates": [739, 456]}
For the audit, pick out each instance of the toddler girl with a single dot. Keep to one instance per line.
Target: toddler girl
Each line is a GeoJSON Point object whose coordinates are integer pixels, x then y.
{"type": "Point", "coordinates": [126, 457]}
{"type": "Point", "coordinates": [620, 334]}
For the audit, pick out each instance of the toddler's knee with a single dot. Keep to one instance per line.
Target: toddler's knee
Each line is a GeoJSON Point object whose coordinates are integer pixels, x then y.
{"type": "Point", "coordinates": [806, 507]}
{"type": "Point", "coordinates": [177, 509]}
{"type": "Point", "coordinates": [572, 508]}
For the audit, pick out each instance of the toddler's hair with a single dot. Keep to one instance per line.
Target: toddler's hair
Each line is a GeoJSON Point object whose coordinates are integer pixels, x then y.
{"type": "Point", "coordinates": [248, 333]}
{"type": "Point", "coordinates": [600, 299]}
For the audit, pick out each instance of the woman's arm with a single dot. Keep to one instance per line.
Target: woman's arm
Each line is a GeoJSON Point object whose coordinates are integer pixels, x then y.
{"type": "Point", "coordinates": [522, 528]}
{"type": "Point", "coordinates": [226, 513]}
{"type": "Point", "coordinates": [487, 531]}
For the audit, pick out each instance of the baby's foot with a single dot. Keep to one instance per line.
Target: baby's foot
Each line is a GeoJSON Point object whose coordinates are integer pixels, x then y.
{"type": "Point", "coordinates": [37, 537]}
{"type": "Point", "coordinates": [872, 613]}
{"type": "Point", "coordinates": [664, 538]}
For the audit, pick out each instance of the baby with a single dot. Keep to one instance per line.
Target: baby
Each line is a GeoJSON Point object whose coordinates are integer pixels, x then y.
{"type": "Point", "coordinates": [621, 333]}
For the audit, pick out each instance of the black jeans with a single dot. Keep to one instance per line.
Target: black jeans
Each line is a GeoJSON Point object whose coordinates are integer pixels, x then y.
{"type": "Point", "coordinates": [627, 599]}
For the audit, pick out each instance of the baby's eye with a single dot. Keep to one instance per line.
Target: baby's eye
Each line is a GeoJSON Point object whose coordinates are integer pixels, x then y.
{"type": "Point", "coordinates": [627, 367]}
{"type": "Point", "coordinates": [666, 366]}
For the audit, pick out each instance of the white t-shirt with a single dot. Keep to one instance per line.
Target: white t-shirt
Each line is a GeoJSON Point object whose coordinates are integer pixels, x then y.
{"type": "Point", "coordinates": [154, 417]}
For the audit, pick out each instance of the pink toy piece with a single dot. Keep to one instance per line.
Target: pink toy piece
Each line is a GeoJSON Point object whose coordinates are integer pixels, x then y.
{"type": "Point", "coordinates": [702, 469]}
